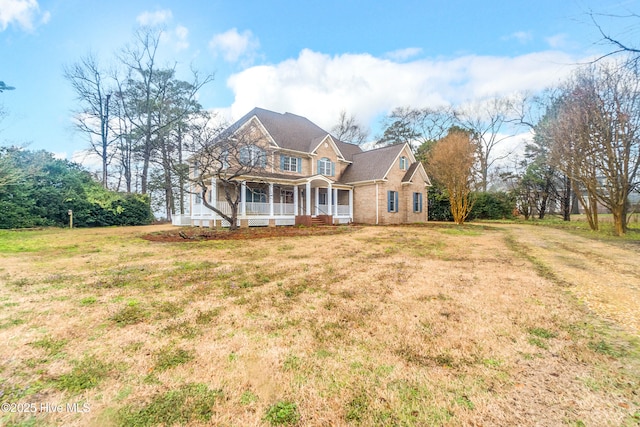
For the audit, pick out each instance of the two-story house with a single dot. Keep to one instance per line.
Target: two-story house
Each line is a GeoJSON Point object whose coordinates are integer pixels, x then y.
{"type": "Point", "coordinates": [307, 173]}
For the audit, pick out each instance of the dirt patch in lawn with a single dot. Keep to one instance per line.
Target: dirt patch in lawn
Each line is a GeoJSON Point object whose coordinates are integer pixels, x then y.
{"type": "Point", "coordinates": [199, 234]}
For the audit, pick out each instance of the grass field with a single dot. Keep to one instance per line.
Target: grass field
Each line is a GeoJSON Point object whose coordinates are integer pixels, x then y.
{"type": "Point", "coordinates": [492, 325]}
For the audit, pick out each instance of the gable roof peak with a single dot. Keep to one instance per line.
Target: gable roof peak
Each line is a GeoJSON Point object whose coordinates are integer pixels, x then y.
{"type": "Point", "coordinates": [297, 133]}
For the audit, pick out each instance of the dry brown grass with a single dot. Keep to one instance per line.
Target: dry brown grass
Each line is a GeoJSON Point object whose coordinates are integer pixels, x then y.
{"type": "Point", "coordinates": [383, 326]}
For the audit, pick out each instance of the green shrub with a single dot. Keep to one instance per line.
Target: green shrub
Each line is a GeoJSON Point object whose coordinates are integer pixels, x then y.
{"type": "Point", "coordinates": [439, 207]}
{"type": "Point", "coordinates": [498, 205]}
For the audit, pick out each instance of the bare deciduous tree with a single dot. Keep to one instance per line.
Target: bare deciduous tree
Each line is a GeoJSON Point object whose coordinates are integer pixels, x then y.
{"type": "Point", "coordinates": [619, 46]}
{"type": "Point", "coordinates": [597, 138]}
{"type": "Point", "coordinates": [417, 126]}
{"type": "Point", "coordinates": [229, 158]}
{"type": "Point", "coordinates": [488, 121]}
{"type": "Point", "coordinates": [349, 130]}
{"type": "Point", "coordinates": [92, 115]}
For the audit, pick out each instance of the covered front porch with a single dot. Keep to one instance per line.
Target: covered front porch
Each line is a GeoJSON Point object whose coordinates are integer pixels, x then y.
{"type": "Point", "coordinates": [277, 203]}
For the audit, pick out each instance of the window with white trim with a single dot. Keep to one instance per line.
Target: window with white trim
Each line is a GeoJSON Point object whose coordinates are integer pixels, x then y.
{"type": "Point", "coordinates": [290, 164]}
{"type": "Point", "coordinates": [326, 167]}
{"type": "Point", "coordinates": [322, 198]}
{"type": "Point", "coordinates": [253, 156]}
{"type": "Point", "coordinates": [224, 159]}
{"type": "Point", "coordinates": [404, 163]}
{"type": "Point", "coordinates": [392, 201]}
{"type": "Point", "coordinates": [256, 195]}
{"type": "Point", "coordinates": [417, 202]}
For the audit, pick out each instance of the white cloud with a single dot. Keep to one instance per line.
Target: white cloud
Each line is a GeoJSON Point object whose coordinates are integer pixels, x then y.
{"type": "Point", "coordinates": [520, 36]}
{"type": "Point", "coordinates": [182, 33]}
{"type": "Point", "coordinates": [557, 41]}
{"type": "Point", "coordinates": [177, 39]}
{"type": "Point", "coordinates": [319, 86]}
{"type": "Point", "coordinates": [234, 46]}
{"type": "Point", "coordinates": [88, 159]}
{"type": "Point", "coordinates": [404, 54]}
{"type": "Point", "coordinates": [154, 18]}
{"type": "Point", "coordinates": [23, 13]}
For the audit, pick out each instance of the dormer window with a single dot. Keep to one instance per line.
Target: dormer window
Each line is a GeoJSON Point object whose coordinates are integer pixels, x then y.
{"type": "Point", "coordinates": [326, 167]}
{"type": "Point", "coordinates": [404, 163]}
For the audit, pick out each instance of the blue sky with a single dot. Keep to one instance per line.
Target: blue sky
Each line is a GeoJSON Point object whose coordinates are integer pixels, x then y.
{"type": "Point", "coordinates": [313, 58]}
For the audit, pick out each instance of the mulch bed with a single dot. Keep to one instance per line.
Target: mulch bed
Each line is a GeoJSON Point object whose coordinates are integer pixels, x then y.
{"type": "Point", "coordinates": [196, 234]}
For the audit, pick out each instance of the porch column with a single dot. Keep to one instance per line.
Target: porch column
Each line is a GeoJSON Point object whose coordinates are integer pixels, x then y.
{"type": "Point", "coordinates": [308, 198]}
{"type": "Point", "coordinates": [214, 195]}
{"type": "Point", "coordinates": [243, 198]}
{"type": "Point", "coordinates": [335, 201]}
{"type": "Point", "coordinates": [351, 204]}
{"type": "Point", "coordinates": [295, 200]}
{"type": "Point", "coordinates": [329, 201]}
{"type": "Point", "coordinates": [317, 199]}
{"type": "Point", "coordinates": [270, 199]}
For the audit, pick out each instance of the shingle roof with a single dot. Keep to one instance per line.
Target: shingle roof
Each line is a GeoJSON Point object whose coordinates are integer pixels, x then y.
{"type": "Point", "coordinates": [294, 132]}
{"type": "Point", "coordinates": [407, 176]}
{"type": "Point", "coordinates": [372, 164]}
{"type": "Point", "coordinates": [298, 133]}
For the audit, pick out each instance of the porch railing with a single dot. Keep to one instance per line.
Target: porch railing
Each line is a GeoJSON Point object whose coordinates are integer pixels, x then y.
{"type": "Point", "coordinates": [343, 210]}
{"type": "Point", "coordinates": [261, 208]}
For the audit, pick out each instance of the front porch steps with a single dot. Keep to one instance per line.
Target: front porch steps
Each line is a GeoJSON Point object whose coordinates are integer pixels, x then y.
{"type": "Point", "coordinates": [311, 221]}
{"type": "Point", "coordinates": [315, 221]}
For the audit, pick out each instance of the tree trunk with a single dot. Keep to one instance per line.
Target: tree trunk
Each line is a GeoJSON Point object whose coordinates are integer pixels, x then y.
{"type": "Point", "coordinates": [619, 213]}
{"type": "Point", "coordinates": [543, 206]}
{"type": "Point", "coordinates": [145, 165]}
{"type": "Point", "coordinates": [566, 199]}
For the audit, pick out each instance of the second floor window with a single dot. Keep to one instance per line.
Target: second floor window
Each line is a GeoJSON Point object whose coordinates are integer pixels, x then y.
{"type": "Point", "coordinates": [404, 163]}
{"type": "Point", "coordinates": [224, 159]}
{"type": "Point", "coordinates": [290, 164]}
{"type": "Point", "coordinates": [326, 167]}
{"type": "Point", "coordinates": [253, 156]}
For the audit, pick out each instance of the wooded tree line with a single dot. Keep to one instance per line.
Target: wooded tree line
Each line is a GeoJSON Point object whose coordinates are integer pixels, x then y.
{"type": "Point", "coordinates": [138, 117]}
{"type": "Point", "coordinates": [584, 148]}
{"type": "Point", "coordinates": [143, 122]}
{"type": "Point", "coordinates": [37, 190]}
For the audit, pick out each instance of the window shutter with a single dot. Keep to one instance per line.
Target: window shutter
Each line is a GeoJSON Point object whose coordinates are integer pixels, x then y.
{"type": "Point", "coordinates": [281, 162]}
{"type": "Point", "coordinates": [389, 195]}
{"type": "Point", "coordinates": [318, 167]}
{"type": "Point", "coordinates": [333, 169]}
{"type": "Point", "coordinates": [299, 162]}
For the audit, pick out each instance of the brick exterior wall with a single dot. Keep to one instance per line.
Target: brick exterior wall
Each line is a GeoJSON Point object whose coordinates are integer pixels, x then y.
{"type": "Point", "coordinates": [364, 199]}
